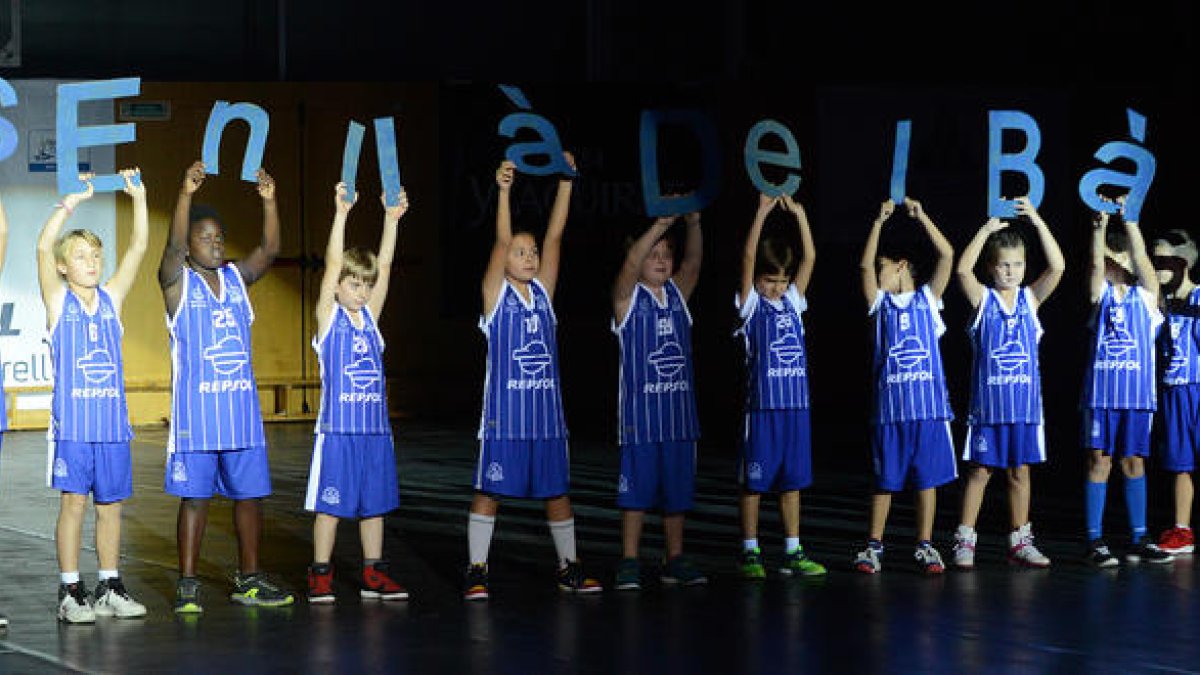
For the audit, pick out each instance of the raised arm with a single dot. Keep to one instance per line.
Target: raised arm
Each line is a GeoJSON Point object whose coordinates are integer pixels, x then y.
{"type": "Point", "coordinates": [387, 251]}
{"type": "Point", "coordinates": [122, 280]}
{"type": "Point", "coordinates": [170, 268]}
{"type": "Point", "coordinates": [552, 243]}
{"type": "Point", "coordinates": [334, 250]}
{"type": "Point", "coordinates": [257, 262]}
{"type": "Point", "coordinates": [1045, 284]}
{"type": "Point", "coordinates": [51, 283]}
{"type": "Point", "coordinates": [945, 252]}
{"type": "Point", "coordinates": [631, 269]}
{"type": "Point", "coordinates": [808, 253]}
{"type": "Point", "coordinates": [688, 274]}
{"type": "Point", "coordinates": [970, 256]}
{"type": "Point", "coordinates": [493, 277]}
{"type": "Point", "coordinates": [1097, 279]}
{"type": "Point", "coordinates": [750, 252]}
{"type": "Point", "coordinates": [870, 280]}
{"type": "Point", "coordinates": [1142, 264]}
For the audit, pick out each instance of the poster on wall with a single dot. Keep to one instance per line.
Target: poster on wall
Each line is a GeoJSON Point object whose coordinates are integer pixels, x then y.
{"type": "Point", "coordinates": [29, 191]}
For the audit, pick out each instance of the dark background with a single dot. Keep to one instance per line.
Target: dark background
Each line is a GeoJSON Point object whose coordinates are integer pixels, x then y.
{"type": "Point", "coordinates": [839, 75]}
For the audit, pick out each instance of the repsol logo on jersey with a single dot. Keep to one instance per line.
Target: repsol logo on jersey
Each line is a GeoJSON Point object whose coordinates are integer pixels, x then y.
{"type": "Point", "coordinates": [542, 383]}
{"type": "Point", "coordinates": [1118, 365]}
{"type": "Point", "coordinates": [902, 378]}
{"type": "Point", "coordinates": [1001, 380]}
{"type": "Point", "coordinates": [785, 372]}
{"type": "Point", "coordinates": [360, 397]}
{"type": "Point", "coordinates": [664, 387]}
{"type": "Point", "coordinates": [225, 386]}
{"type": "Point", "coordinates": [94, 392]}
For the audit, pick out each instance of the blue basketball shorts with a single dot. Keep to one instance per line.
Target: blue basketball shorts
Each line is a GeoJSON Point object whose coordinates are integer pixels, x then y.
{"type": "Point", "coordinates": [776, 451]}
{"type": "Point", "coordinates": [103, 469]}
{"type": "Point", "coordinates": [353, 476]}
{"type": "Point", "coordinates": [1117, 432]}
{"type": "Point", "coordinates": [658, 475]}
{"type": "Point", "coordinates": [243, 473]}
{"type": "Point", "coordinates": [917, 454]}
{"type": "Point", "coordinates": [533, 469]}
{"type": "Point", "coordinates": [1005, 446]}
{"type": "Point", "coordinates": [1179, 428]}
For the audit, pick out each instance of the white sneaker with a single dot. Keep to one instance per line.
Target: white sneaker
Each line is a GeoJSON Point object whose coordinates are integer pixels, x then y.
{"type": "Point", "coordinates": [113, 600]}
{"type": "Point", "coordinates": [964, 547]}
{"type": "Point", "coordinates": [1021, 550]}
{"type": "Point", "coordinates": [868, 560]}
{"type": "Point", "coordinates": [73, 604]}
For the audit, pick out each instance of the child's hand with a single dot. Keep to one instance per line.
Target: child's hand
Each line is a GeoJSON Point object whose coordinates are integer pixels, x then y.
{"type": "Point", "coordinates": [193, 178]}
{"type": "Point", "coordinates": [73, 199]}
{"type": "Point", "coordinates": [885, 211]}
{"type": "Point", "coordinates": [1025, 208]}
{"type": "Point", "coordinates": [340, 202]}
{"type": "Point", "coordinates": [994, 224]}
{"type": "Point", "coordinates": [395, 212]}
{"type": "Point", "coordinates": [792, 206]}
{"type": "Point", "coordinates": [266, 184]}
{"type": "Point", "coordinates": [765, 203]}
{"type": "Point", "coordinates": [914, 208]}
{"type": "Point", "coordinates": [692, 219]}
{"type": "Point", "coordinates": [504, 175]}
{"type": "Point", "coordinates": [1100, 219]}
{"type": "Point", "coordinates": [136, 190]}
{"type": "Point", "coordinates": [664, 221]}
{"type": "Point", "coordinates": [570, 159]}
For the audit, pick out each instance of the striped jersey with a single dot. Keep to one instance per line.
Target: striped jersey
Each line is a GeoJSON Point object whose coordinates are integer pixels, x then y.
{"type": "Point", "coordinates": [773, 338]}
{"type": "Point", "coordinates": [1006, 386]}
{"type": "Point", "coordinates": [910, 383]}
{"type": "Point", "coordinates": [656, 390]}
{"type": "Point", "coordinates": [1180, 343]}
{"type": "Point", "coordinates": [88, 404]}
{"type": "Point", "coordinates": [1120, 374]}
{"type": "Point", "coordinates": [214, 395]}
{"type": "Point", "coordinates": [522, 398]}
{"type": "Point", "coordinates": [353, 388]}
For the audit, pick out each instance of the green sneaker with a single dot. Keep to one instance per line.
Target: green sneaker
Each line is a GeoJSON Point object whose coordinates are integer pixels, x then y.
{"type": "Point", "coordinates": [798, 564]}
{"type": "Point", "coordinates": [752, 564]}
{"type": "Point", "coordinates": [187, 596]}
{"type": "Point", "coordinates": [629, 575]}
{"type": "Point", "coordinates": [256, 589]}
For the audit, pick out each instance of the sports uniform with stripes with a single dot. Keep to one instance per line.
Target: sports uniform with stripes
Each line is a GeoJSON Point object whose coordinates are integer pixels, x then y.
{"type": "Point", "coordinates": [777, 437]}
{"type": "Point", "coordinates": [89, 432]}
{"type": "Point", "coordinates": [1179, 440]}
{"type": "Point", "coordinates": [658, 421]}
{"type": "Point", "coordinates": [1005, 424]}
{"type": "Point", "coordinates": [216, 440]}
{"type": "Point", "coordinates": [353, 469]}
{"type": "Point", "coordinates": [911, 442]}
{"type": "Point", "coordinates": [522, 430]}
{"type": "Point", "coordinates": [1118, 389]}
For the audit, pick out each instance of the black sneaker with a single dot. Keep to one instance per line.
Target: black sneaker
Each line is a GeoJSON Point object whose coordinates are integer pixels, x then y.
{"type": "Point", "coordinates": [257, 589]}
{"type": "Point", "coordinates": [187, 596]}
{"type": "Point", "coordinates": [475, 587]}
{"type": "Point", "coordinates": [1099, 556]}
{"type": "Point", "coordinates": [571, 579]}
{"type": "Point", "coordinates": [1147, 551]}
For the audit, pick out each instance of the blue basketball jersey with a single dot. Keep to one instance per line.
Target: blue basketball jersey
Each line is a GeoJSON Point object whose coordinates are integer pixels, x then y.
{"type": "Point", "coordinates": [1006, 383]}
{"type": "Point", "coordinates": [1180, 344]}
{"type": "Point", "coordinates": [88, 403]}
{"type": "Point", "coordinates": [522, 399]}
{"type": "Point", "coordinates": [214, 395]}
{"type": "Point", "coordinates": [657, 390]}
{"type": "Point", "coordinates": [910, 383]}
{"type": "Point", "coordinates": [776, 363]}
{"type": "Point", "coordinates": [353, 388]}
{"type": "Point", "coordinates": [1120, 374]}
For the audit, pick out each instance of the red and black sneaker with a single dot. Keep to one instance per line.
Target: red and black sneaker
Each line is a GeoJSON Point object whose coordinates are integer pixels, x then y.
{"type": "Point", "coordinates": [1177, 540]}
{"type": "Point", "coordinates": [377, 585]}
{"type": "Point", "coordinates": [320, 584]}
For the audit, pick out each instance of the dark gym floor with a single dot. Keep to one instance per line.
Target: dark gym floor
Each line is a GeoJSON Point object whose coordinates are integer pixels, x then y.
{"type": "Point", "coordinates": [1069, 618]}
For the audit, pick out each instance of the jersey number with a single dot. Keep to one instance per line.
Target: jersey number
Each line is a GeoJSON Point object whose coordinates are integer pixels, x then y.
{"type": "Point", "coordinates": [223, 318]}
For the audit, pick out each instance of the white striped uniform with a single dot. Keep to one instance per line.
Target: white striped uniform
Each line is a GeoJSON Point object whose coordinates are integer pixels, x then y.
{"type": "Point", "coordinates": [776, 362]}
{"type": "Point", "coordinates": [1180, 344]}
{"type": "Point", "coordinates": [910, 383]}
{"type": "Point", "coordinates": [522, 398]}
{"type": "Point", "coordinates": [1006, 383]}
{"type": "Point", "coordinates": [88, 403]}
{"type": "Point", "coordinates": [214, 395]}
{"type": "Point", "coordinates": [353, 388]}
{"type": "Point", "coordinates": [657, 388]}
{"type": "Point", "coordinates": [1120, 373]}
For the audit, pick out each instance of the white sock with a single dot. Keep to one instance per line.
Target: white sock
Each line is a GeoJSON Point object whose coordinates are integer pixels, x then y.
{"type": "Point", "coordinates": [69, 577]}
{"type": "Point", "coordinates": [1182, 527]}
{"type": "Point", "coordinates": [108, 574]}
{"type": "Point", "coordinates": [791, 544]}
{"type": "Point", "coordinates": [563, 532]}
{"type": "Point", "coordinates": [749, 544]}
{"type": "Point", "coordinates": [479, 537]}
